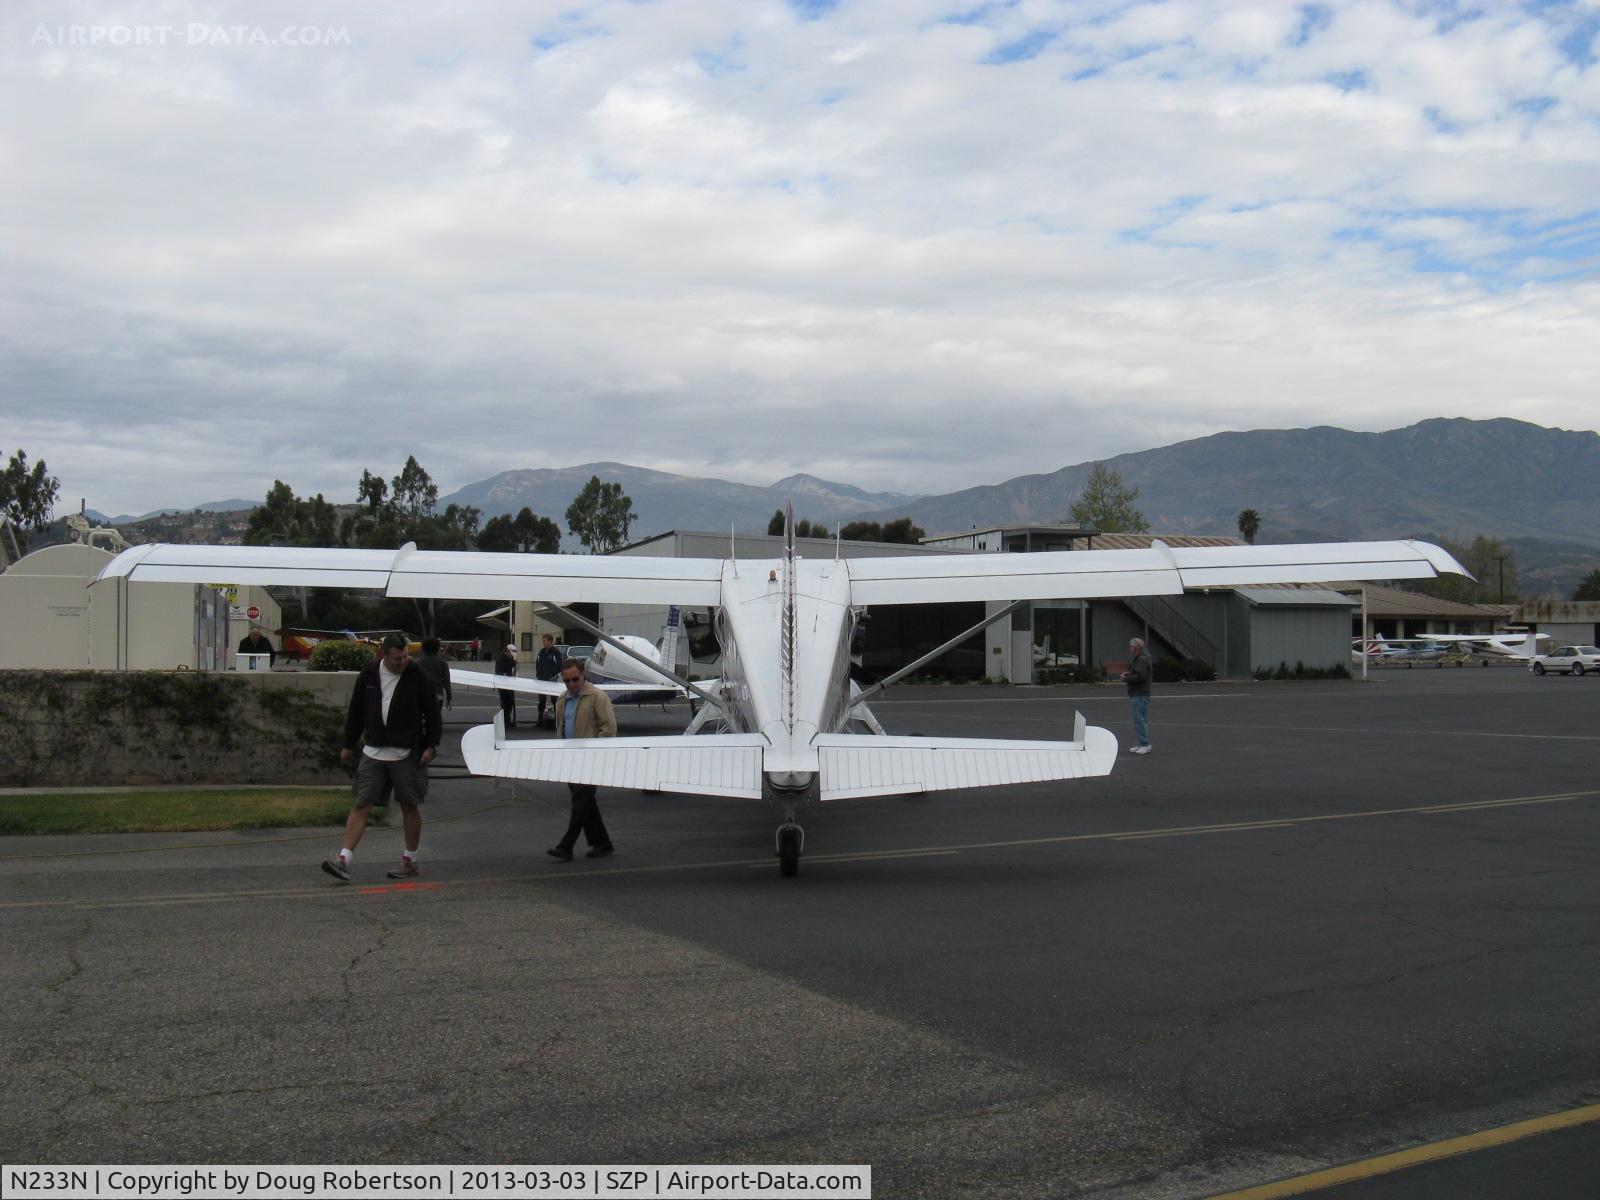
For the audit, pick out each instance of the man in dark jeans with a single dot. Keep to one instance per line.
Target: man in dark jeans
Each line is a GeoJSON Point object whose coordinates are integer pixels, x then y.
{"type": "Point", "coordinates": [506, 664]}
{"type": "Point", "coordinates": [584, 712]}
{"type": "Point", "coordinates": [1138, 676]}
{"type": "Point", "coordinates": [438, 672]}
{"type": "Point", "coordinates": [393, 708]}
{"type": "Point", "coordinates": [547, 666]}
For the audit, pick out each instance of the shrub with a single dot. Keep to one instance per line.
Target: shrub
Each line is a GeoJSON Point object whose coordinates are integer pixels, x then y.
{"type": "Point", "coordinates": [1301, 671]}
{"type": "Point", "coordinates": [1080, 673]}
{"type": "Point", "coordinates": [340, 655]}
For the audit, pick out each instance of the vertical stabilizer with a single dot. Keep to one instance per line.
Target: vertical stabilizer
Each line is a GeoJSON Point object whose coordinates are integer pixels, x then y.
{"type": "Point", "coordinates": [790, 624]}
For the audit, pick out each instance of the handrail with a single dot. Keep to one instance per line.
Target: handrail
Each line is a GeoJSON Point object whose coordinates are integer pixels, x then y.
{"type": "Point", "coordinates": [1175, 628]}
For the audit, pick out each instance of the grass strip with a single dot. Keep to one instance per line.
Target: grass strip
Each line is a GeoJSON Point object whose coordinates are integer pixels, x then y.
{"type": "Point", "coordinates": [175, 811]}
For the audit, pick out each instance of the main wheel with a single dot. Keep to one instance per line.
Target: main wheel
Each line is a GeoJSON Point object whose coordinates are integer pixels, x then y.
{"type": "Point", "coordinates": [1538, 668]}
{"type": "Point", "coordinates": [789, 851]}
{"type": "Point", "coordinates": [1577, 668]}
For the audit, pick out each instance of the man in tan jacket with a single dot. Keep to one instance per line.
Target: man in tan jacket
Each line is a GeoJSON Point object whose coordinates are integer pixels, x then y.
{"type": "Point", "coordinates": [584, 712]}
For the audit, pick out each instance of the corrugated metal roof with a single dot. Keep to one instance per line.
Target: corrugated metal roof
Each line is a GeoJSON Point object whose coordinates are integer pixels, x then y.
{"type": "Point", "coordinates": [1392, 602]}
{"type": "Point", "coordinates": [1285, 594]}
{"type": "Point", "coordinates": [1141, 541]}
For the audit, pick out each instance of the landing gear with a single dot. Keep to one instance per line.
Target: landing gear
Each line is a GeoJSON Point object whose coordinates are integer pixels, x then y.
{"type": "Point", "coordinates": [790, 840]}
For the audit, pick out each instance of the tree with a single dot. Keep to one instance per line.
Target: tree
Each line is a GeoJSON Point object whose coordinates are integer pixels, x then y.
{"type": "Point", "coordinates": [28, 497]}
{"type": "Point", "coordinates": [283, 519]}
{"type": "Point", "coordinates": [1107, 505]}
{"type": "Point", "coordinates": [600, 516]}
{"type": "Point", "coordinates": [1589, 588]}
{"type": "Point", "coordinates": [862, 531]}
{"type": "Point", "coordinates": [1249, 523]}
{"type": "Point", "coordinates": [522, 534]}
{"type": "Point", "coordinates": [902, 532]}
{"type": "Point", "coordinates": [1494, 568]}
{"type": "Point", "coordinates": [775, 526]}
{"type": "Point", "coordinates": [414, 494]}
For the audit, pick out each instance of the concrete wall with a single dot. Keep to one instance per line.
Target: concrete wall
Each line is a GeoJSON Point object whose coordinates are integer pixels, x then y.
{"type": "Point", "coordinates": [106, 728]}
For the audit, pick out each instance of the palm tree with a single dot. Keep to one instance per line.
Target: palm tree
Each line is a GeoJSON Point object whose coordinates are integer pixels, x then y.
{"type": "Point", "coordinates": [1249, 522]}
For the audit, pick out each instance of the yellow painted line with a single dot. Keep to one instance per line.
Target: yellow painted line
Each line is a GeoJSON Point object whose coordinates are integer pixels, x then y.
{"type": "Point", "coordinates": [1242, 827]}
{"type": "Point", "coordinates": [872, 856]}
{"type": "Point", "coordinates": [1386, 1164]}
{"type": "Point", "coordinates": [557, 874]}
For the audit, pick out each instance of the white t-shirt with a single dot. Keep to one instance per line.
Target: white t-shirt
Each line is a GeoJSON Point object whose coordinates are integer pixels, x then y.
{"type": "Point", "coordinates": [388, 681]}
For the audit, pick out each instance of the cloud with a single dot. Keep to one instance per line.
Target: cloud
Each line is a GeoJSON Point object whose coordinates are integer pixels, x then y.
{"type": "Point", "coordinates": [907, 246]}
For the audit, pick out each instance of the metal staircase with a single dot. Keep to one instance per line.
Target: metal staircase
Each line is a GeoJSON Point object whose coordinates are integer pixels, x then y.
{"type": "Point", "coordinates": [1176, 630]}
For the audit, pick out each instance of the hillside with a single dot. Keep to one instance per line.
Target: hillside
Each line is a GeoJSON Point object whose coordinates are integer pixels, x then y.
{"type": "Point", "coordinates": [663, 501]}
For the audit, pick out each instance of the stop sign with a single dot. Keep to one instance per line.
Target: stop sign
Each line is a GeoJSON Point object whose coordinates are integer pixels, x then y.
{"type": "Point", "coordinates": [252, 612]}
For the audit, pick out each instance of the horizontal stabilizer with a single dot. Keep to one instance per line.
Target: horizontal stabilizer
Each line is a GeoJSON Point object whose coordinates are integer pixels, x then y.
{"type": "Point", "coordinates": [727, 764]}
{"type": "Point", "coordinates": [855, 765]}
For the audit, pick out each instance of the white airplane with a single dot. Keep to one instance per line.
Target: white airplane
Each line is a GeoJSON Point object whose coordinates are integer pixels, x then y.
{"type": "Point", "coordinates": [788, 716]}
{"type": "Point", "coordinates": [1437, 645]}
{"type": "Point", "coordinates": [634, 677]}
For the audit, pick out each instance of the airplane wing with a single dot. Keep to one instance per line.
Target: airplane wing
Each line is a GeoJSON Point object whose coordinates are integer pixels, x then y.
{"type": "Point", "coordinates": [444, 574]}
{"type": "Point", "coordinates": [551, 687]}
{"type": "Point", "coordinates": [855, 765]}
{"type": "Point", "coordinates": [1156, 571]}
{"type": "Point", "coordinates": [726, 764]}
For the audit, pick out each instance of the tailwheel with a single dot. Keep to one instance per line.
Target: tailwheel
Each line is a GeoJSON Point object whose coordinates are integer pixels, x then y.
{"type": "Point", "coordinates": [790, 840]}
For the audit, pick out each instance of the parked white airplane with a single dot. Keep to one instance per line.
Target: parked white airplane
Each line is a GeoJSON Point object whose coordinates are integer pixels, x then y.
{"type": "Point", "coordinates": [635, 676]}
{"type": "Point", "coordinates": [1436, 645]}
{"type": "Point", "coordinates": [785, 702]}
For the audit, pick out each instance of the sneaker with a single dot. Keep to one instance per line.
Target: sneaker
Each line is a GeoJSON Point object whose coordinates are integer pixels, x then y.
{"type": "Point", "coordinates": [1140, 750]}
{"type": "Point", "coordinates": [560, 852]}
{"type": "Point", "coordinates": [601, 851]}
{"type": "Point", "coordinates": [406, 870]}
{"type": "Point", "coordinates": [336, 866]}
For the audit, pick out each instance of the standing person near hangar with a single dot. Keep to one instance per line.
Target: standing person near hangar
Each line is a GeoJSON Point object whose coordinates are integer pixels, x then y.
{"type": "Point", "coordinates": [547, 666]}
{"type": "Point", "coordinates": [506, 664]}
{"type": "Point", "coordinates": [1141, 670]}
{"type": "Point", "coordinates": [394, 710]}
{"type": "Point", "coordinates": [438, 672]}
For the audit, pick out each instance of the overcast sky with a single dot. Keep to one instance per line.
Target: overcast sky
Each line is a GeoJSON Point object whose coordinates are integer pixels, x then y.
{"type": "Point", "coordinates": [907, 245]}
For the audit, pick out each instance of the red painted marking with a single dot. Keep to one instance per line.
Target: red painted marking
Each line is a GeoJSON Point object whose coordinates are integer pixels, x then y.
{"type": "Point", "coordinates": [400, 887]}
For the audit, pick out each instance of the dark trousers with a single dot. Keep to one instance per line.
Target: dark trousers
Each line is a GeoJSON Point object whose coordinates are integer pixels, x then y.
{"type": "Point", "coordinates": [585, 818]}
{"type": "Point", "coordinates": [508, 708]}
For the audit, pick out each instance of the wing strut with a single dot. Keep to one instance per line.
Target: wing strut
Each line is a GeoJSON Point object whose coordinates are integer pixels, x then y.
{"type": "Point", "coordinates": [889, 680]}
{"type": "Point", "coordinates": [681, 680]}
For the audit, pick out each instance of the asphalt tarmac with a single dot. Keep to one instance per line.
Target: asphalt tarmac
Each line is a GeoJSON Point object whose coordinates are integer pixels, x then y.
{"type": "Point", "coordinates": [1321, 923]}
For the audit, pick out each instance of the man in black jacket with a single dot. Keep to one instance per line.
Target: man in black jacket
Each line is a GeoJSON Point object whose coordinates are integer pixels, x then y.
{"type": "Point", "coordinates": [393, 707]}
{"type": "Point", "coordinates": [547, 667]}
{"type": "Point", "coordinates": [506, 664]}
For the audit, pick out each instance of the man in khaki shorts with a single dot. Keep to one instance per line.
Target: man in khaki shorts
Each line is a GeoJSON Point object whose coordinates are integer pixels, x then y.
{"type": "Point", "coordinates": [393, 707]}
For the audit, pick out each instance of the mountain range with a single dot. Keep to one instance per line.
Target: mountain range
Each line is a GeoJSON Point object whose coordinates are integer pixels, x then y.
{"type": "Point", "coordinates": [1536, 488]}
{"type": "Point", "coordinates": [662, 501]}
